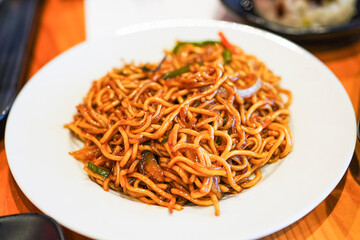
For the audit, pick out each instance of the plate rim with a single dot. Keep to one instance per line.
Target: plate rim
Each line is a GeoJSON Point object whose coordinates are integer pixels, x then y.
{"type": "Point", "coordinates": [188, 23]}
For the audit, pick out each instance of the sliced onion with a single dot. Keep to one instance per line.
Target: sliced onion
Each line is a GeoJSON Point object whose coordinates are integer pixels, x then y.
{"type": "Point", "coordinates": [222, 92]}
{"type": "Point", "coordinates": [204, 88]}
{"type": "Point", "coordinates": [248, 92]}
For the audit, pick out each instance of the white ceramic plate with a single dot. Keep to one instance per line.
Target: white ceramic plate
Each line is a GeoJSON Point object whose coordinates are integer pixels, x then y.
{"type": "Point", "coordinates": [37, 145]}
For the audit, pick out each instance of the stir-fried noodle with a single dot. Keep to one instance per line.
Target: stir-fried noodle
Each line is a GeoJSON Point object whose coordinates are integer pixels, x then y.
{"type": "Point", "coordinates": [194, 127]}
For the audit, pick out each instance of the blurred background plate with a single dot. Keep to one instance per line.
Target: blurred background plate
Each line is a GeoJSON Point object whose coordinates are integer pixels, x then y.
{"type": "Point", "coordinates": [335, 36]}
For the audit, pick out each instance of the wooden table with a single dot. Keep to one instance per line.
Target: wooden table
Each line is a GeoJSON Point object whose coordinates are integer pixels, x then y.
{"type": "Point", "coordinates": [337, 217]}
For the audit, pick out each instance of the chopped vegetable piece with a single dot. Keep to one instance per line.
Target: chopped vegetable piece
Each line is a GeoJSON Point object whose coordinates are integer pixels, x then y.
{"type": "Point", "coordinates": [98, 170]}
{"type": "Point", "coordinates": [177, 72]}
{"type": "Point", "coordinates": [215, 187]}
{"type": "Point", "coordinates": [165, 140]}
{"type": "Point", "coordinates": [196, 103]}
{"type": "Point", "coordinates": [224, 121]}
{"type": "Point", "coordinates": [86, 153]}
{"type": "Point", "coordinates": [197, 44]}
{"type": "Point", "coordinates": [146, 69]}
{"type": "Point", "coordinates": [227, 44]}
{"type": "Point", "coordinates": [227, 55]}
{"type": "Point", "coordinates": [150, 167]}
{"type": "Point", "coordinates": [218, 141]}
{"type": "Point", "coordinates": [248, 92]}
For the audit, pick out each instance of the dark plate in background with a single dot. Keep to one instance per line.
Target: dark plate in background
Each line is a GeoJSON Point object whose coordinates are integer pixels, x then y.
{"type": "Point", "coordinates": [339, 35]}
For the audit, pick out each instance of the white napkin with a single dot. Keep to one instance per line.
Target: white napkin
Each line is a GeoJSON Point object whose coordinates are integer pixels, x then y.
{"type": "Point", "coordinates": [103, 16]}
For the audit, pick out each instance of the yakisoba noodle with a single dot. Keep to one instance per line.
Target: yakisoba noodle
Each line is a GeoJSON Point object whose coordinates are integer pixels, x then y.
{"type": "Point", "coordinates": [189, 129]}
